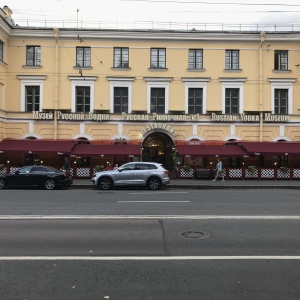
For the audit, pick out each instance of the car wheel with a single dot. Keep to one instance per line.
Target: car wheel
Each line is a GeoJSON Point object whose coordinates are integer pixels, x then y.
{"type": "Point", "coordinates": [154, 183]}
{"type": "Point", "coordinates": [2, 183]}
{"type": "Point", "coordinates": [105, 183]}
{"type": "Point", "coordinates": [50, 184]}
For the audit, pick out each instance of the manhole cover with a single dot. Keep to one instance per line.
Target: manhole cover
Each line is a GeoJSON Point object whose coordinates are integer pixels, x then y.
{"type": "Point", "coordinates": [194, 235]}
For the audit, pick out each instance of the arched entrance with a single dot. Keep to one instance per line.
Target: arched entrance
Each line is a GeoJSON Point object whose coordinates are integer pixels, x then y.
{"type": "Point", "coordinates": [159, 147]}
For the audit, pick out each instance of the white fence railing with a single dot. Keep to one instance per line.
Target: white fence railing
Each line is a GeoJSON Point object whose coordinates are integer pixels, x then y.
{"type": "Point", "coordinates": [155, 25]}
{"type": "Point", "coordinates": [241, 173]}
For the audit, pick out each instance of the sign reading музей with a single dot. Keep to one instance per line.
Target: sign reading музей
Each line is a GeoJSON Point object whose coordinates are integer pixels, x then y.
{"type": "Point", "coordinates": [267, 117]}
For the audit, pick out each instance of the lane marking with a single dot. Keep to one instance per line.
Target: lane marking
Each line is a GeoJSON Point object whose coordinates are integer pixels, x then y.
{"type": "Point", "coordinates": [149, 193]}
{"type": "Point", "coordinates": [148, 201]}
{"type": "Point", "coordinates": [145, 258]}
{"type": "Point", "coordinates": [150, 217]}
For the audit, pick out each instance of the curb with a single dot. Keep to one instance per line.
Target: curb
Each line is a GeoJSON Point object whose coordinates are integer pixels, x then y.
{"type": "Point", "coordinates": [203, 187]}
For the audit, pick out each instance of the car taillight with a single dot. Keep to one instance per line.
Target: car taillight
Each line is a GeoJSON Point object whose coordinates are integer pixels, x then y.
{"type": "Point", "coordinates": [166, 172]}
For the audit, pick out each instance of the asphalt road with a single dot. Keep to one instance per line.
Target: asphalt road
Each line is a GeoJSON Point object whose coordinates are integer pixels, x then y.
{"type": "Point", "coordinates": [136, 244]}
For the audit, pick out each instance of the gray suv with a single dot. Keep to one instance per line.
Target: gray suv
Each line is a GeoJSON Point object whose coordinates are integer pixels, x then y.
{"type": "Point", "coordinates": [147, 174]}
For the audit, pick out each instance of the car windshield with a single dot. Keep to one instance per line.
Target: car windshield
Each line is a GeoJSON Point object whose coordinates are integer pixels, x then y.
{"type": "Point", "coordinates": [25, 170]}
{"type": "Point", "coordinates": [37, 169]}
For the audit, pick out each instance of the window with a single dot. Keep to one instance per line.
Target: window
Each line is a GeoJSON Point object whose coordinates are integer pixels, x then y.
{"type": "Point", "coordinates": [196, 59]}
{"type": "Point", "coordinates": [83, 161]}
{"type": "Point", "coordinates": [232, 96]}
{"type": "Point", "coordinates": [1, 50]}
{"type": "Point", "coordinates": [82, 93]}
{"type": "Point", "coordinates": [282, 95]}
{"type": "Point", "coordinates": [32, 90]}
{"type": "Point", "coordinates": [83, 99]}
{"type": "Point", "coordinates": [158, 94]}
{"type": "Point", "coordinates": [24, 170]}
{"type": "Point", "coordinates": [120, 99]}
{"type": "Point", "coordinates": [121, 57]}
{"type": "Point", "coordinates": [83, 56]}
{"type": "Point", "coordinates": [281, 60]}
{"type": "Point", "coordinates": [281, 101]}
{"type": "Point", "coordinates": [120, 94]}
{"type": "Point", "coordinates": [128, 167]}
{"type": "Point", "coordinates": [158, 58]}
{"type": "Point", "coordinates": [195, 95]}
{"type": "Point", "coordinates": [41, 170]}
{"type": "Point", "coordinates": [32, 98]}
{"type": "Point", "coordinates": [141, 166]}
{"type": "Point", "coordinates": [33, 56]}
{"type": "Point", "coordinates": [195, 101]}
{"type": "Point", "coordinates": [158, 100]}
{"type": "Point", "coordinates": [232, 59]}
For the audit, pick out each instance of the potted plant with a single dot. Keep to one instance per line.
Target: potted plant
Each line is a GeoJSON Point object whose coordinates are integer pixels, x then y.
{"type": "Point", "coordinates": [188, 167]}
{"type": "Point", "coordinates": [171, 168]}
{"type": "Point", "coordinates": [284, 169]}
{"type": "Point", "coordinates": [252, 170]}
{"type": "Point", "coordinates": [99, 168]}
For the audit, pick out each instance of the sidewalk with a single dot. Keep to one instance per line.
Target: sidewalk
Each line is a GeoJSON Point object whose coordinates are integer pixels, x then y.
{"type": "Point", "coordinates": [209, 184]}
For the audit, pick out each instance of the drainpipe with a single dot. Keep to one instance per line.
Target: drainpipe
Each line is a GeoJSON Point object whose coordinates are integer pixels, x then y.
{"type": "Point", "coordinates": [262, 39]}
{"type": "Point", "coordinates": [56, 30]}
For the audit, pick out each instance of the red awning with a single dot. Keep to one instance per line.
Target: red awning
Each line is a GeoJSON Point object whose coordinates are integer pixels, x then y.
{"type": "Point", "coordinates": [211, 150]}
{"type": "Point", "coordinates": [36, 146]}
{"type": "Point", "coordinates": [107, 150]}
{"type": "Point", "coordinates": [272, 148]}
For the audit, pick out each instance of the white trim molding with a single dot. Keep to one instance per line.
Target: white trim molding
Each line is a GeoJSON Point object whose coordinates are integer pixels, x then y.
{"type": "Point", "coordinates": [27, 80]}
{"type": "Point", "coordinates": [200, 83]}
{"type": "Point", "coordinates": [233, 83]}
{"type": "Point", "coordinates": [31, 135]}
{"type": "Point", "coordinates": [82, 81]}
{"type": "Point", "coordinates": [120, 82]}
{"type": "Point", "coordinates": [282, 83]}
{"type": "Point", "coordinates": [158, 82]}
{"type": "Point", "coordinates": [195, 137]}
{"type": "Point", "coordinates": [82, 135]}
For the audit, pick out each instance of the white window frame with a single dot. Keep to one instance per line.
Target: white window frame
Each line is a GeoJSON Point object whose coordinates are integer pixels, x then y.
{"type": "Point", "coordinates": [120, 82]}
{"type": "Point", "coordinates": [82, 81]}
{"type": "Point", "coordinates": [232, 83]}
{"type": "Point", "coordinates": [158, 83]}
{"type": "Point", "coordinates": [195, 83]}
{"type": "Point", "coordinates": [31, 81]}
{"type": "Point", "coordinates": [282, 84]}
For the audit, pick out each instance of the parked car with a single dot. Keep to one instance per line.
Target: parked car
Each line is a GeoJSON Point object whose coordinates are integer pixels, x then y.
{"type": "Point", "coordinates": [36, 176]}
{"type": "Point", "coordinates": [146, 174]}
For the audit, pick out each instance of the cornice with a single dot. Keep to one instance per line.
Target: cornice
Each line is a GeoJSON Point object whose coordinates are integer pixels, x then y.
{"type": "Point", "coordinates": [149, 35]}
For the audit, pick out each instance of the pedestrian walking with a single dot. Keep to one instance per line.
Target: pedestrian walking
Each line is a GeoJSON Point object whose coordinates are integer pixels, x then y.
{"type": "Point", "coordinates": [219, 169]}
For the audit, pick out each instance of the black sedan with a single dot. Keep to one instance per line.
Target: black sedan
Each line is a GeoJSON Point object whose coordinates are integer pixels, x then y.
{"type": "Point", "coordinates": [36, 176]}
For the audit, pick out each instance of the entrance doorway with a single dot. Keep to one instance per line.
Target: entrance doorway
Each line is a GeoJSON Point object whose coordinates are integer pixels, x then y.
{"type": "Point", "coordinates": [159, 147]}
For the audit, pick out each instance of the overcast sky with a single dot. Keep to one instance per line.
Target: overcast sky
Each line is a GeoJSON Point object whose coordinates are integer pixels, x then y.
{"type": "Point", "coordinates": [186, 11]}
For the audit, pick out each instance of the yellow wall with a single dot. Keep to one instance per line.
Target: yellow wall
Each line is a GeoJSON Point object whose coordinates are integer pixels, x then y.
{"type": "Point", "coordinates": [14, 124]}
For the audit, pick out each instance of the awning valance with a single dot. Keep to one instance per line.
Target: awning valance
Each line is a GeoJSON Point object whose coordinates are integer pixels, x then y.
{"type": "Point", "coordinates": [211, 150]}
{"type": "Point", "coordinates": [271, 148]}
{"type": "Point", "coordinates": [36, 146]}
{"type": "Point", "coordinates": [107, 150]}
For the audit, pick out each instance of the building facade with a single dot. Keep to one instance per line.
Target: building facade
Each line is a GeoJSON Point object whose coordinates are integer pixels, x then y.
{"type": "Point", "coordinates": [157, 90]}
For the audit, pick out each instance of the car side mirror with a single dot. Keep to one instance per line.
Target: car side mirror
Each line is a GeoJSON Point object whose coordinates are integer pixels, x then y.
{"type": "Point", "coordinates": [17, 172]}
